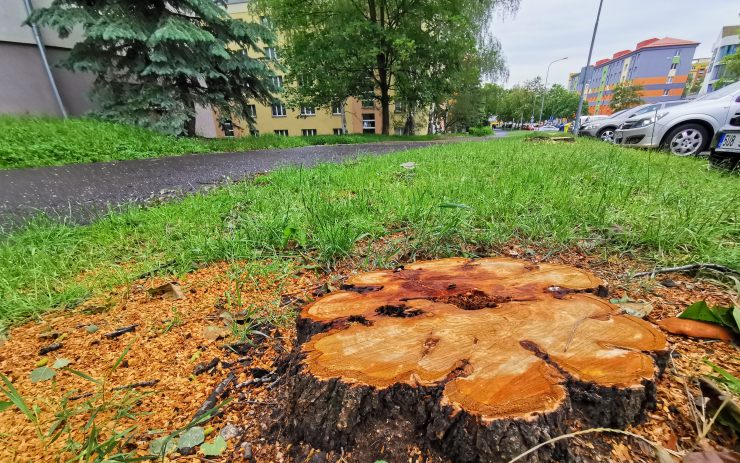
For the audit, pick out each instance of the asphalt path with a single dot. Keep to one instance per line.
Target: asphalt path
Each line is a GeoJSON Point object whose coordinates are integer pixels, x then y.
{"type": "Point", "coordinates": [81, 192]}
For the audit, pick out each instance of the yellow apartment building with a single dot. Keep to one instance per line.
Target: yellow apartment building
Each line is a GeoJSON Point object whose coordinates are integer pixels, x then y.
{"type": "Point", "coordinates": [279, 119]}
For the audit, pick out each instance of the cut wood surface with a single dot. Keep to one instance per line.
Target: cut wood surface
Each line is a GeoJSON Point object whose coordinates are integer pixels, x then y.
{"type": "Point", "coordinates": [481, 359]}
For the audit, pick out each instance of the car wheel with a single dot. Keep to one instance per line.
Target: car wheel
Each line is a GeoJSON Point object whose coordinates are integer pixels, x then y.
{"type": "Point", "coordinates": [725, 160]}
{"type": "Point", "coordinates": [687, 140]}
{"type": "Point", "coordinates": [606, 134]}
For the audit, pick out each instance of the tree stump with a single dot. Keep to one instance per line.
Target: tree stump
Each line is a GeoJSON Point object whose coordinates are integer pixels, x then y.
{"type": "Point", "coordinates": [477, 360]}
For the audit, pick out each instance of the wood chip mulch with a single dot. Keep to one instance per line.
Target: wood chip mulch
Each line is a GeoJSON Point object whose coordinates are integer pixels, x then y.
{"type": "Point", "coordinates": [175, 337]}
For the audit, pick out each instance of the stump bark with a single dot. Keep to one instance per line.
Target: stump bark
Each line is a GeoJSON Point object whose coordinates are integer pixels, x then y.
{"type": "Point", "coordinates": [477, 360]}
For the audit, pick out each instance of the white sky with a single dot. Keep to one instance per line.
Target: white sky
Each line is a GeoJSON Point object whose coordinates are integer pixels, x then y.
{"type": "Point", "coordinates": [545, 30]}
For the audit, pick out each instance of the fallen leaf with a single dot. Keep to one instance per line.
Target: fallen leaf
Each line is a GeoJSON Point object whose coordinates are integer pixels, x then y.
{"type": "Point", "coordinates": [214, 448]}
{"type": "Point", "coordinates": [168, 290]}
{"type": "Point", "coordinates": [61, 363]}
{"type": "Point", "coordinates": [712, 457]}
{"type": "Point", "coordinates": [214, 333]}
{"type": "Point", "coordinates": [91, 328]}
{"type": "Point", "coordinates": [636, 309]}
{"type": "Point", "coordinates": [42, 374]}
{"type": "Point", "coordinates": [157, 446]}
{"type": "Point", "coordinates": [191, 438]}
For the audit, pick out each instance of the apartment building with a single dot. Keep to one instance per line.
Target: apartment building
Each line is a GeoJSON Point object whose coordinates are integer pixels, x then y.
{"type": "Point", "coordinates": [726, 44]}
{"type": "Point", "coordinates": [660, 66]}
{"type": "Point", "coordinates": [697, 74]}
{"type": "Point", "coordinates": [279, 119]}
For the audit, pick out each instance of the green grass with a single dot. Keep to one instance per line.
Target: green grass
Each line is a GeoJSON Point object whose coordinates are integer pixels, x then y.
{"type": "Point", "coordinates": [462, 199]}
{"type": "Point", "coordinates": [34, 142]}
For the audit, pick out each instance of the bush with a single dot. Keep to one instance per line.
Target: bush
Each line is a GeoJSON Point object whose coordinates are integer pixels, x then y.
{"type": "Point", "coordinates": [480, 131]}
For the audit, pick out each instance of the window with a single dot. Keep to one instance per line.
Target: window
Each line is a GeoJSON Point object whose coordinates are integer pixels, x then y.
{"type": "Point", "coordinates": [674, 66]}
{"type": "Point", "coordinates": [228, 127]}
{"type": "Point", "coordinates": [368, 103]}
{"type": "Point", "coordinates": [277, 81]}
{"type": "Point", "coordinates": [270, 53]}
{"type": "Point", "coordinates": [678, 53]}
{"type": "Point", "coordinates": [368, 123]}
{"type": "Point", "coordinates": [308, 111]}
{"type": "Point", "coordinates": [399, 107]}
{"type": "Point", "coordinates": [338, 131]}
{"type": "Point", "coordinates": [252, 111]}
{"type": "Point", "coordinates": [278, 110]}
{"type": "Point", "coordinates": [282, 133]}
{"type": "Point", "coordinates": [308, 132]}
{"type": "Point", "coordinates": [669, 80]}
{"type": "Point", "coordinates": [337, 109]}
{"type": "Point", "coordinates": [665, 92]}
{"type": "Point", "coordinates": [254, 132]}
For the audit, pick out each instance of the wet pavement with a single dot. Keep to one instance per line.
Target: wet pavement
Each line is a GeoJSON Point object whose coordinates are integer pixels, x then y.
{"type": "Point", "coordinates": [82, 192]}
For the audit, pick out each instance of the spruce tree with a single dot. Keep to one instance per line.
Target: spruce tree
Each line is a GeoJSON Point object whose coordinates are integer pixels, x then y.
{"type": "Point", "coordinates": [155, 60]}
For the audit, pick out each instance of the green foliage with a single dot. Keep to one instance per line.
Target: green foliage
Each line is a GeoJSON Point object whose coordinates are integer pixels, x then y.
{"type": "Point", "coordinates": [625, 95]}
{"type": "Point", "coordinates": [725, 316]}
{"type": "Point", "coordinates": [560, 103]}
{"type": "Point", "coordinates": [480, 131]}
{"type": "Point", "coordinates": [33, 142]}
{"type": "Point", "coordinates": [155, 61]}
{"type": "Point", "coordinates": [661, 208]}
{"type": "Point", "coordinates": [731, 72]}
{"type": "Point", "coordinates": [373, 49]}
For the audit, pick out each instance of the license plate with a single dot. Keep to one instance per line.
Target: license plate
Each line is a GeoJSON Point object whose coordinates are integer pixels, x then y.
{"type": "Point", "coordinates": [729, 142]}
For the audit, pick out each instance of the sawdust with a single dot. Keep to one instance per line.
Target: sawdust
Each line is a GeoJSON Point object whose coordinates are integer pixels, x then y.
{"type": "Point", "coordinates": [169, 352]}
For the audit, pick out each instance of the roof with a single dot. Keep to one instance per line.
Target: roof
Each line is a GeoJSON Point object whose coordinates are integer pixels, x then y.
{"type": "Point", "coordinates": [665, 42]}
{"type": "Point", "coordinates": [649, 43]}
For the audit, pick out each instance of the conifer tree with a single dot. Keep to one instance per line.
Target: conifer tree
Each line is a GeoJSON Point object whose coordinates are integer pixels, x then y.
{"type": "Point", "coordinates": [155, 60]}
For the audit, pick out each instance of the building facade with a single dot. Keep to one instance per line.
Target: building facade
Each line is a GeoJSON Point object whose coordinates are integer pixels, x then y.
{"type": "Point", "coordinates": [660, 66]}
{"type": "Point", "coordinates": [361, 117]}
{"type": "Point", "coordinates": [25, 87]}
{"type": "Point", "coordinates": [726, 44]}
{"type": "Point", "coordinates": [696, 75]}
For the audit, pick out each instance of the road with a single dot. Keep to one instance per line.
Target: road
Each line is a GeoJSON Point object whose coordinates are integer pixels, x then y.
{"type": "Point", "coordinates": [81, 192]}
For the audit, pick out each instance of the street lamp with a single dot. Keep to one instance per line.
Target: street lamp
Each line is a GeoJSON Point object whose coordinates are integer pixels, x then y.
{"type": "Point", "coordinates": [542, 106]}
{"type": "Point", "coordinates": [577, 122]}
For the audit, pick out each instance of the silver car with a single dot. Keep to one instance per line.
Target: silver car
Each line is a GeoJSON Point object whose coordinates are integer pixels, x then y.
{"type": "Point", "coordinates": [604, 128]}
{"type": "Point", "coordinates": [685, 130]}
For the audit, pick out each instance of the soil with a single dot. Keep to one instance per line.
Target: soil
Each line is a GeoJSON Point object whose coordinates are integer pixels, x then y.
{"type": "Point", "coordinates": [174, 337]}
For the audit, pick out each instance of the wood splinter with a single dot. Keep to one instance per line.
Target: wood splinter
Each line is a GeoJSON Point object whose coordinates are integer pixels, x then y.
{"type": "Point", "coordinates": [474, 360]}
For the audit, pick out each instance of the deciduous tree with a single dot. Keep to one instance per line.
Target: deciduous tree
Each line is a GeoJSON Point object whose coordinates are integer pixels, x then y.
{"type": "Point", "coordinates": [378, 48]}
{"type": "Point", "coordinates": [625, 95]}
{"type": "Point", "coordinates": [154, 61]}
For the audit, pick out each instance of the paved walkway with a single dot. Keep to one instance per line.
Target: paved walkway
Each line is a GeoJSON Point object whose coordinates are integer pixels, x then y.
{"type": "Point", "coordinates": [82, 191]}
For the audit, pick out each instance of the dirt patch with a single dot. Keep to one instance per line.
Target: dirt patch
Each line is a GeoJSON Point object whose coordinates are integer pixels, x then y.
{"type": "Point", "coordinates": [169, 353]}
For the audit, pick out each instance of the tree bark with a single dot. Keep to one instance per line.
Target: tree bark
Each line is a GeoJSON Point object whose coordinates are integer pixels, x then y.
{"type": "Point", "coordinates": [473, 360]}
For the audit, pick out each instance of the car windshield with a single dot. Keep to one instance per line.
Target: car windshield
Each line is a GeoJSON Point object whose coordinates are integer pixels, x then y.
{"type": "Point", "coordinates": [647, 109]}
{"type": "Point", "coordinates": [721, 93]}
{"type": "Point", "coordinates": [619, 113]}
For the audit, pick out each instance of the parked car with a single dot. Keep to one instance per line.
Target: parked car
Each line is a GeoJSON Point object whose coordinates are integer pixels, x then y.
{"type": "Point", "coordinates": [726, 144]}
{"type": "Point", "coordinates": [685, 130]}
{"type": "Point", "coordinates": [604, 128]}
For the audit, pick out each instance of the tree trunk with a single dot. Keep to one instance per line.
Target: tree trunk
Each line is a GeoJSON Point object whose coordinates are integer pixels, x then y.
{"type": "Point", "coordinates": [408, 128]}
{"type": "Point", "coordinates": [473, 360]}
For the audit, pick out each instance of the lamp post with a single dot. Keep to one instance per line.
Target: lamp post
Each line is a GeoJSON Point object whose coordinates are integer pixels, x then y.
{"type": "Point", "coordinates": [547, 76]}
{"type": "Point", "coordinates": [577, 123]}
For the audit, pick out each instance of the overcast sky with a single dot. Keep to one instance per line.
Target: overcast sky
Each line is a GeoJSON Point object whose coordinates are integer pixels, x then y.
{"type": "Point", "coordinates": [545, 30]}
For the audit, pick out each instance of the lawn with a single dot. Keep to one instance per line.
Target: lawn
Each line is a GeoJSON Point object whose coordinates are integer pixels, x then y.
{"type": "Point", "coordinates": [34, 142]}
{"type": "Point", "coordinates": [463, 199]}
